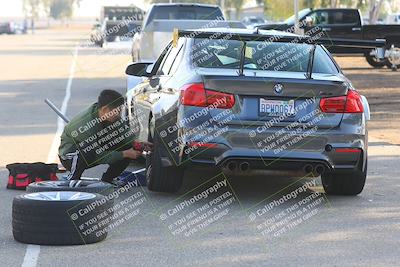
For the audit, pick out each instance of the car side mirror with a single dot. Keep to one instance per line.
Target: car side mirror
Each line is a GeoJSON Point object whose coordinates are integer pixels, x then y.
{"type": "Point", "coordinates": [149, 68]}
{"type": "Point", "coordinates": [140, 69]}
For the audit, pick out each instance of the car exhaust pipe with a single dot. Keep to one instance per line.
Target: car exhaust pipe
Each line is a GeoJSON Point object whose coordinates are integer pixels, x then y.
{"type": "Point", "coordinates": [308, 168]}
{"type": "Point", "coordinates": [232, 166]}
{"type": "Point", "coordinates": [320, 169]}
{"type": "Point", "coordinates": [244, 166]}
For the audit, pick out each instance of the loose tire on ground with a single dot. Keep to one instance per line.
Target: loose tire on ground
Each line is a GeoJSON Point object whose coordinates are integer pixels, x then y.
{"type": "Point", "coordinates": [159, 178]}
{"type": "Point", "coordinates": [38, 220]}
{"type": "Point", "coordinates": [73, 185]}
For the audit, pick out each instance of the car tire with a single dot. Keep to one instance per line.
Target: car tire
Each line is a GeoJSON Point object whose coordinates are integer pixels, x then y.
{"type": "Point", "coordinates": [373, 61]}
{"type": "Point", "coordinates": [158, 177]}
{"type": "Point", "coordinates": [36, 220]}
{"type": "Point", "coordinates": [73, 185]}
{"type": "Point", "coordinates": [344, 183]}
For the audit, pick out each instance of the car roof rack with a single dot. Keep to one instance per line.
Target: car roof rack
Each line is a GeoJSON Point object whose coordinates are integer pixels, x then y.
{"type": "Point", "coordinates": [280, 37]}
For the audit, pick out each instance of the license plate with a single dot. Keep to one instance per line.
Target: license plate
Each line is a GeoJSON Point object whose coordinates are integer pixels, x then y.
{"type": "Point", "coordinates": [276, 107]}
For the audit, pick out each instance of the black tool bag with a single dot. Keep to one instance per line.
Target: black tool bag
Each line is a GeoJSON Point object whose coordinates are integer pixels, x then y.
{"type": "Point", "coordinates": [22, 174]}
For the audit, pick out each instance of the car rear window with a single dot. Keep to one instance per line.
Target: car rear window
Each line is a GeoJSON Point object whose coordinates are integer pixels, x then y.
{"type": "Point", "coordinates": [185, 13]}
{"type": "Point", "coordinates": [345, 17]}
{"type": "Point", "coordinates": [122, 13]}
{"type": "Point", "coordinates": [291, 57]}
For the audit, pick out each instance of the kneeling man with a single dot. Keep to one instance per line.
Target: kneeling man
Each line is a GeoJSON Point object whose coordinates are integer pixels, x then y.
{"type": "Point", "coordinates": [98, 135]}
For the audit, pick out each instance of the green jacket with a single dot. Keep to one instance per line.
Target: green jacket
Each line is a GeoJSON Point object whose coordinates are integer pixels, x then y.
{"type": "Point", "coordinates": [86, 133]}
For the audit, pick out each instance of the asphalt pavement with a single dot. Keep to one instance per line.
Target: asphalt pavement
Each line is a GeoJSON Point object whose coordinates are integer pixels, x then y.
{"type": "Point", "coordinates": [309, 228]}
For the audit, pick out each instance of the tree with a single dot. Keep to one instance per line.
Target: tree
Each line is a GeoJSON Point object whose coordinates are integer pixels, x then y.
{"type": "Point", "coordinates": [61, 9]}
{"type": "Point", "coordinates": [31, 8]}
{"type": "Point", "coordinates": [235, 4]}
{"type": "Point", "coordinates": [374, 10]}
{"type": "Point", "coordinates": [278, 10]}
{"type": "Point", "coordinates": [395, 5]}
{"type": "Point", "coordinates": [57, 9]}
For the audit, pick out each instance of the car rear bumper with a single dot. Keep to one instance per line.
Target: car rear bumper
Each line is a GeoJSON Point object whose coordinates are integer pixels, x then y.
{"type": "Point", "coordinates": [333, 149]}
{"type": "Point", "coordinates": [292, 160]}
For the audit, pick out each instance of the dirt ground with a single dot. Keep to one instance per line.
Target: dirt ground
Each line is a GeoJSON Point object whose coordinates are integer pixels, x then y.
{"type": "Point", "coordinates": [382, 88]}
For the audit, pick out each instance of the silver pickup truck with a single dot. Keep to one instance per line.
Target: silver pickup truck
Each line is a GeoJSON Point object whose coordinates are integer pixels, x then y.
{"type": "Point", "coordinates": [162, 19]}
{"type": "Point", "coordinates": [160, 22]}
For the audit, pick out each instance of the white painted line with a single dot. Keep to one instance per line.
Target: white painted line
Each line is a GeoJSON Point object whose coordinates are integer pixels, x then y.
{"type": "Point", "coordinates": [31, 256]}
{"type": "Point", "coordinates": [33, 251]}
{"type": "Point", "coordinates": [52, 156]}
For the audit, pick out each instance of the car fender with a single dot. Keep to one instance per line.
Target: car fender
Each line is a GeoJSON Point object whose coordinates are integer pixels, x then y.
{"type": "Point", "coordinates": [132, 87]}
{"type": "Point", "coordinates": [365, 103]}
{"type": "Point", "coordinates": [161, 118]}
{"type": "Point", "coordinates": [132, 82]}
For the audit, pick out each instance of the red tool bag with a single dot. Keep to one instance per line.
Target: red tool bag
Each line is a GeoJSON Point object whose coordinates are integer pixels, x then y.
{"type": "Point", "coordinates": [22, 174]}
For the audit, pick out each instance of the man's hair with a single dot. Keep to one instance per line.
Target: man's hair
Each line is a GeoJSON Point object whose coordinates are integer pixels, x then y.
{"type": "Point", "coordinates": [110, 98]}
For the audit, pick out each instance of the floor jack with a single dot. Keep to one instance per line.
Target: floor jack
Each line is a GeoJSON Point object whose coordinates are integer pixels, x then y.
{"type": "Point", "coordinates": [137, 177]}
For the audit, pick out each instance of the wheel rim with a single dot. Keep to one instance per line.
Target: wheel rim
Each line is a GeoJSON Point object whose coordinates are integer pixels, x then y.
{"type": "Point", "coordinates": [59, 196]}
{"type": "Point", "coordinates": [53, 184]}
{"type": "Point", "coordinates": [70, 184]}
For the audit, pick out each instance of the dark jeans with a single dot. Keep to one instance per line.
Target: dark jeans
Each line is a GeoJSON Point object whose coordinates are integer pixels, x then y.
{"type": "Point", "coordinates": [77, 164]}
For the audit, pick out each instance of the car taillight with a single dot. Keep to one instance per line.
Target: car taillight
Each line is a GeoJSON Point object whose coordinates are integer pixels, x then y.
{"type": "Point", "coordinates": [196, 95]}
{"type": "Point", "coordinates": [351, 103]}
{"type": "Point", "coordinates": [347, 150]}
{"type": "Point", "coordinates": [199, 144]}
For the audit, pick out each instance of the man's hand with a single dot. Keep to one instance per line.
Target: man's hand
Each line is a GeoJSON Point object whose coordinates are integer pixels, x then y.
{"type": "Point", "coordinates": [143, 146]}
{"type": "Point", "coordinates": [147, 146]}
{"type": "Point", "coordinates": [131, 154]}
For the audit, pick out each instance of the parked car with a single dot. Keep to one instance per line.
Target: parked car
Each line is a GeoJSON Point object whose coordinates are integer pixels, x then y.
{"type": "Point", "coordinates": [393, 19]}
{"type": "Point", "coordinates": [7, 28]}
{"type": "Point", "coordinates": [347, 23]}
{"type": "Point", "coordinates": [209, 100]}
{"type": "Point", "coordinates": [114, 34]}
{"type": "Point", "coordinates": [112, 16]}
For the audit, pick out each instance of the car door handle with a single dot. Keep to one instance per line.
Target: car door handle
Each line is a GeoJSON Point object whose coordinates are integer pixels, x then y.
{"type": "Point", "coordinates": [356, 29]}
{"type": "Point", "coordinates": [326, 29]}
